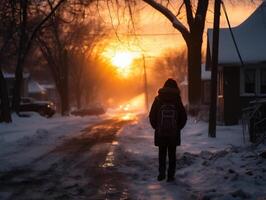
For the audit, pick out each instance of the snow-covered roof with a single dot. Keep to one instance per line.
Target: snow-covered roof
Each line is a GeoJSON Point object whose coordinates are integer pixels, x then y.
{"type": "Point", "coordinates": [205, 74]}
{"type": "Point", "coordinates": [35, 87]}
{"type": "Point", "coordinates": [48, 86]}
{"type": "Point", "coordinates": [250, 37]}
{"type": "Point", "coordinates": [12, 75]}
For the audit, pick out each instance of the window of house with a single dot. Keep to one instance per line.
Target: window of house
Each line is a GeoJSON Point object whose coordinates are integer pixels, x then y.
{"type": "Point", "coordinates": [263, 81]}
{"type": "Point", "coordinates": [250, 81]}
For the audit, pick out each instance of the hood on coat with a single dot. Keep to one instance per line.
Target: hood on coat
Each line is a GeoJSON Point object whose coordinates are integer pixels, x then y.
{"type": "Point", "coordinates": [168, 94]}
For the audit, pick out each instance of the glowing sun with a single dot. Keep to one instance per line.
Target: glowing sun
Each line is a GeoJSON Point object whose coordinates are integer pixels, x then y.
{"type": "Point", "coordinates": [122, 59]}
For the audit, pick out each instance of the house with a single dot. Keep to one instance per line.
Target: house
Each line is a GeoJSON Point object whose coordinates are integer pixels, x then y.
{"type": "Point", "coordinates": [36, 91]}
{"type": "Point", "coordinates": [205, 85]}
{"type": "Point", "coordinates": [51, 92]}
{"type": "Point", "coordinates": [31, 88]}
{"type": "Point", "coordinates": [239, 84]}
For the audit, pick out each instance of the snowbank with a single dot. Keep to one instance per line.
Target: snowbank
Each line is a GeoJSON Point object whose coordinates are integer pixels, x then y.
{"type": "Point", "coordinates": [207, 168]}
{"type": "Point", "coordinates": [221, 168]}
{"type": "Point", "coordinates": [30, 137]}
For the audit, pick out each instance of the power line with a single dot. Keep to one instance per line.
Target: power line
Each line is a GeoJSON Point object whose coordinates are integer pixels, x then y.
{"type": "Point", "coordinates": [232, 34]}
{"type": "Point", "coordinates": [141, 34]}
{"type": "Point", "coordinates": [148, 34]}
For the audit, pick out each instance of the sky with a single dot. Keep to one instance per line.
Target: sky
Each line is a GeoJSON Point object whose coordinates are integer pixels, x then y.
{"type": "Point", "coordinates": [154, 34]}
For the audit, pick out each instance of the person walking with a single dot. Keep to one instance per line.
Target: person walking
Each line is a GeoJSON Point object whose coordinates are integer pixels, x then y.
{"type": "Point", "coordinates": [167, 116]}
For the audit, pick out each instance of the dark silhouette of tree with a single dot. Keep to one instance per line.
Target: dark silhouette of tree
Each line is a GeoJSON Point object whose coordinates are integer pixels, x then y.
{"type": "Point", "coordinates": [172, 63]}
{"type": "Point", "coordinates": [20, 24]}
{"type": "Point", "coordinates": [66, 43]}
{"type": "Point", "coordinates": [83, 42]}
{"type": "Point", "coordinates": [7, 34]}
{"type": "Point", "coordinates": [12, 35]}
{"type": "Point", "coordinates": [192, 34]}
{"type": "Point", "coordinates": [25, 39]}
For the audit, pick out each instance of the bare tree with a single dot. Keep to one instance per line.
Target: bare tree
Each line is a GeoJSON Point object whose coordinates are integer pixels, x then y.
{"type": "Point", "coordinates": [25, 39]}
{"type": "Point", "coordinates": [65, 44]}
{"type": "Point", "coordinates": [173, 63]}
{"type": "Point", "coordinates": [56, 55]}
{"type": "Point", "coordinates": [7, 33]}
{"type": "Point", "coordinates": [84, 40]}
{"type": "Point", "coordinates": [192, 34]}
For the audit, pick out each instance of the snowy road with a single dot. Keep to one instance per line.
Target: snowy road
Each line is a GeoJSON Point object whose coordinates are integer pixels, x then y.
{"type": "Point", "coordinates": [113, 157]}
{"type": "Point", "coordinates": [83, 167]}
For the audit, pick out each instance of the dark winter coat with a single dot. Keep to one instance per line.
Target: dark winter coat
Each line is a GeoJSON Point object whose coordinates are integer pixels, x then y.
{"type": "Point", "coordinates": [168, 95]}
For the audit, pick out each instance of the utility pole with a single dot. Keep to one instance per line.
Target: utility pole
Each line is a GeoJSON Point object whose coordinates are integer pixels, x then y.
{"type": "Point", "coordinates": [215, 53]}
{"type": "Point", "coordinates": [145, 83]}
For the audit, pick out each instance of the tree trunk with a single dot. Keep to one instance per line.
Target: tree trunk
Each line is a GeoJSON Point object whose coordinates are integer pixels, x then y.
{"type": "Point", "coordinates": [21, 56]}
{"type": "Point", "coordinates": [78, 93]}
{"type": "Point", "coordinates": [194, 72]}
{"type": "Point", "coordinates": [5, 115]}
{"type": "Point", "coordinates": [17, 88]}
{"type": "Point", "coordinates": [62, 88]}
{"type": "Point", "coordinates": [64, 85]}
{"type": "Point", "coordinates": [78, 99]}
{"type": "Point", "coordinates": [64, 102]}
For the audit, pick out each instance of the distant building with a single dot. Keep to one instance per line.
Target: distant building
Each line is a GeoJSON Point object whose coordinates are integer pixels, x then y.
{"type": "Point", "coordinates": [205, 85]}
{"type": "Point", "coordinates": [31, 88]}
{"type": "Point", "coordinates": [237, 84]}
{"type": "Point", "coordinates": [51, 92]}
{"type": "Point", "coordinates": [36, 91]}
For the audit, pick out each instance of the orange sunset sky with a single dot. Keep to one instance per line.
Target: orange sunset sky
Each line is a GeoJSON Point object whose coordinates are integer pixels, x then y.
{"type": "Point", "coordinates": [155, 34]}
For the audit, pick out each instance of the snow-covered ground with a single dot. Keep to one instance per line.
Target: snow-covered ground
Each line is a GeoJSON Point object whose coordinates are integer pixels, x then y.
{"type": "Point", "coordinates": [221, 168]}
{"type": "Point", "coordinates": [27, 138]}
{"type": "Point", "coordinates": [207, 168]}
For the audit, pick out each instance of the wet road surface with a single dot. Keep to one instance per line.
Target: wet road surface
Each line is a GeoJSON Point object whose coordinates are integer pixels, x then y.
{"type": "Point", "coordinates": [83, 167]}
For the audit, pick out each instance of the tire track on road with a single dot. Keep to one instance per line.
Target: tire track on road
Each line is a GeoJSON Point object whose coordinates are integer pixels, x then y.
{"type": "Point", "coordinates": [77, 169]}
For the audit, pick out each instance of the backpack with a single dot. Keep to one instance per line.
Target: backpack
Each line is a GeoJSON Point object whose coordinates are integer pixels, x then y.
{"type": "Point", "coordinates": [167, 120]}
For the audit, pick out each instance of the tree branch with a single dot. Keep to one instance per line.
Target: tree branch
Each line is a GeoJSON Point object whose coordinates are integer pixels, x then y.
{"type": "Point", "coordinates": [37, 28]}
{"type": "Point", "coordinates": [201, 14]}
{"type": "Point", "coordinates": [170, 16]}
{"type": "Point", "coordinates": [190, 18]}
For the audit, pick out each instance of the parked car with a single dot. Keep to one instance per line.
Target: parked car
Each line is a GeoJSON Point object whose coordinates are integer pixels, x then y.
{"type": "Point", "coordinates": [97, 110]}
{"type": "Point", "coordinates": [44, 108]}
